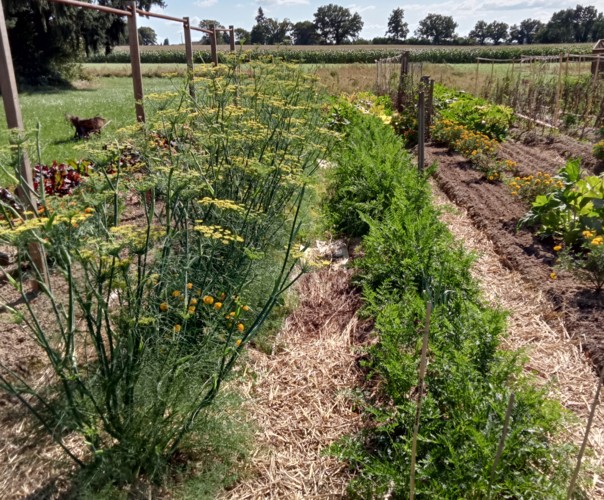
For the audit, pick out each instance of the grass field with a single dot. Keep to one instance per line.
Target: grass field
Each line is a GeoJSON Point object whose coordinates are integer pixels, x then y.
{"type": "Point", "coordinates": [110, 97]}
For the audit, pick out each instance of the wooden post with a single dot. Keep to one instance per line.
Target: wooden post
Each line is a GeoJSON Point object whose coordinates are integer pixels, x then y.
{"type": "Point", "coordinates": [592, 413]}
{"type": "Point", "coordinates": [421, 135]}
{"type": "Point", "coordinates": [213, 45]}
{"type": "Point", "coordinates": [420, 393]}
{"type": "Point", "coordinates": [556, 117]}
{"type": "Point", "coordinates": [135, 61]}
{"type": "Point", "coordinates": [400, 94]}
{"type": "Point", "coordinates": [504, 434]}
{"type": "Point", "coordinates": [14, 120]}
{"type": "Point", "coordinates": [189, 52]}
{"type": "Point", "coordinates": [476, 77]}
{"type": "Point", "coordinates": [232, 37]}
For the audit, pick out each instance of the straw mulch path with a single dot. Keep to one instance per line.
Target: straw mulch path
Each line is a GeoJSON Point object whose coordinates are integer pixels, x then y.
{"type": "Point", "coordinates": [301, 397]}
{"type": "Point", "coordinates": [554, 357]}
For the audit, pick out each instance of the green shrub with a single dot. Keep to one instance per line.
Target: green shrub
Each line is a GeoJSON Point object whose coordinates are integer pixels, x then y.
{"type": "Point", "coordinates": [370, 163]}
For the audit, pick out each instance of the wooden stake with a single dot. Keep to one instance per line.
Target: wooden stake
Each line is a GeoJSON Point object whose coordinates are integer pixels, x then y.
{"type": "Point", "coordinates": [592, 414]}
{"type": "Point", "coordinates": [14, 120]}
{"type": "Point", "coordinates": [189, 52]}
{"type": "Point", "coordinates": [213, 45]}
{"type": "Point", "coordinates": [232, 37]}
{"type": "Point", "coordinates": [420, 394]}
{"type": "Point", "coordinates": [504, 434]}
{"type": "Point", "coordinates": [556, 117]}
{"type": "Point", "coordinates": [421, 135]}
{"type": "Point", "coordinates": [135, 61]}
{"type": "Point", "coordinates": [476, 77]}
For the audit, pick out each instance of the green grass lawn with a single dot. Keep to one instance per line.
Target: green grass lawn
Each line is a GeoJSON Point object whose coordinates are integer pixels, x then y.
{"type": "Point", "coordinates": [111, 98]}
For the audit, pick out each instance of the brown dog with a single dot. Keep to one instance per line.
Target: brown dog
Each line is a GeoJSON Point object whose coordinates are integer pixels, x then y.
{"type": "Point", "coordinates": [86, 126]}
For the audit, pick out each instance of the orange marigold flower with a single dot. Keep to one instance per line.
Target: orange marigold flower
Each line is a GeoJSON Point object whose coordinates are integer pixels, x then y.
{"type": "Point", "coordinates": [164, 306]}
{"type": "Point", "coordinates": [176, 293]}
{"type": "Point", "coordinates": [217, 305]}
{"type": "Point", "coordinates": [177, 328]}
{"type": "Point", "coordinates": [189, 286]}
{"type": "Point", "coordinates": [208, 300]}
{"type": "Point", "coordinates": [557, 248]}
{"type": "Point", "coordinates": [240, 327]}
{"type": "Point", "coordinates": [553, 276]}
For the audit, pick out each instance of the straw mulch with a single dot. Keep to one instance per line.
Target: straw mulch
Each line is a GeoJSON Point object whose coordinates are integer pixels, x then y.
{"type": "Point", "coordinates": [301, 397]}
{"type": "Point", "coordinates": [554, 357]}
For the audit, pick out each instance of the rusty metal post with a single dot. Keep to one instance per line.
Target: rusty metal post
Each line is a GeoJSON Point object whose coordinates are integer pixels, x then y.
{"type": "Point", "coordinates": [14, 120]}
{"type": "Point", "coordinates": [135, 61]}
{"type": "Point", "coordinates": [213, 44]}
{"type": "Point", "coordinates": [232, 37]}
{"type": "Point", "coordinates": [189, 52]}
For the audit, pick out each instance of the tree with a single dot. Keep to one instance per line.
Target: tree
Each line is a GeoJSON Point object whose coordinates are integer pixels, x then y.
{"type": "Point", "coordinates": [497, 32]}
{"type": "Point", "coordinates": [242, 36]}
{"type": "Point", "coordinates": [578, 25]}
{"type": "Point", "coordinates": [436, 28]}
{"type": "Point", "coordinates": [166, 41]}
{"type": "Point", "coordinates": [46, 38]}
{"type": "Point", "coordinates": [147, 36]}
{"type": "Point", "coordinates": [397, 28]}
{"type": "Point", "coordinates": [305, 33]}
{"type": "Point", "coordinates": [259, 33]}
{"type": "Point", "coordinates": [269, 31]}
{"type": "Point", "coordinates": [527, 32]}
{"type": "Point", "coordinates": [337, 24]}
{"type": "Point", "coordinates": [207, 24]}
{"type": "Point", "coordinates": [277, 31]}
{"type": "Point", "coordinates": [480, 32]}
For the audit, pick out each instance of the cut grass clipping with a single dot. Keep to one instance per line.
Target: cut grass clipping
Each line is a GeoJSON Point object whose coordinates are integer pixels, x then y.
{"type": "Point", "coordinates": [410, 258]}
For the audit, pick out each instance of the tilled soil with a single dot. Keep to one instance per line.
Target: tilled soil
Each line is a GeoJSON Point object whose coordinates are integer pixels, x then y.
{"type": "Point", "coordinates": [497, 213]}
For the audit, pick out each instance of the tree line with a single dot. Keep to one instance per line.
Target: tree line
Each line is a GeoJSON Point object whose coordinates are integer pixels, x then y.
{"type": "Point", "coordinates": [333, 24]}
{"type": "Point", "coordinates": [46, 37]}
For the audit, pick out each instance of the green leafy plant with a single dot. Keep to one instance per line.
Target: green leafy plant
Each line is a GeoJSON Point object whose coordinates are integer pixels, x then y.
{"type": "Point", "coordinates": [576, 204]}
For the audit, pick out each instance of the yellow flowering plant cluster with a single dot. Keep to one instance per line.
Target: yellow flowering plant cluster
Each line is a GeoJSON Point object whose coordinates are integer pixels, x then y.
{"type": "Point", "coordinates": [528, 187]}
{"type": "Point", "coordinates": [477, 147]}
{"type": "Point", "coordinates": [170, 258]}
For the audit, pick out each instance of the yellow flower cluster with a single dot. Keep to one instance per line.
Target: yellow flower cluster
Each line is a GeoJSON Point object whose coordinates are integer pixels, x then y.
{"type": "Point", "coordinates": [529, 186]}
{"type": "Point", "coordinates": [224, 204]}
{"type": "Point", "coordinates": [467, 142]}
{"type": "Point", "coordinates": [218, 233]}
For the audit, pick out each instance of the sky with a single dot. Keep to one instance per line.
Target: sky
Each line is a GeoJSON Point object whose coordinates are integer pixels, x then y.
{"type": "Point", "coordinates": [241, 13]}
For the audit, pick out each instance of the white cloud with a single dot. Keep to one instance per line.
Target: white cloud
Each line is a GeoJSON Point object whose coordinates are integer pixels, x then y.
{"type": "Point", "coordinates": [206, 3]}
{"type": "Point", "coordinates": [282, 2]}
{"type": "Point", "coordinates": [359, 9]}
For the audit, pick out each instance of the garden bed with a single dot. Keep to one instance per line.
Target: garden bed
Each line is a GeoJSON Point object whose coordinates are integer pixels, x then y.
{"type": "Point", "coordinates": [495, 211]}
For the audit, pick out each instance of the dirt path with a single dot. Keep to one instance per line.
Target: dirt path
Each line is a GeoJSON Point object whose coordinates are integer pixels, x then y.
{"type": "Point", "coordinates": [302, 397]}
{"type": "Point", "coordinates": [535, 326]}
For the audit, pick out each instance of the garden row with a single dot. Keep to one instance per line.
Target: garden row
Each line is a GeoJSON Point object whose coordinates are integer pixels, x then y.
{"type": "Point", "coordinates": [567, 208]}
{"type": "Point", "coordinates": [166, 261]}
{"type": "Point", "coordinates": [450, 55]}
{"type": "Point", "coordinates": [410, 259]}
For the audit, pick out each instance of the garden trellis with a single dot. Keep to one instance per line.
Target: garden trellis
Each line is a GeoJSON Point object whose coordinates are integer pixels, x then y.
{"type": "Point", "coordinates": [554, 91]}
